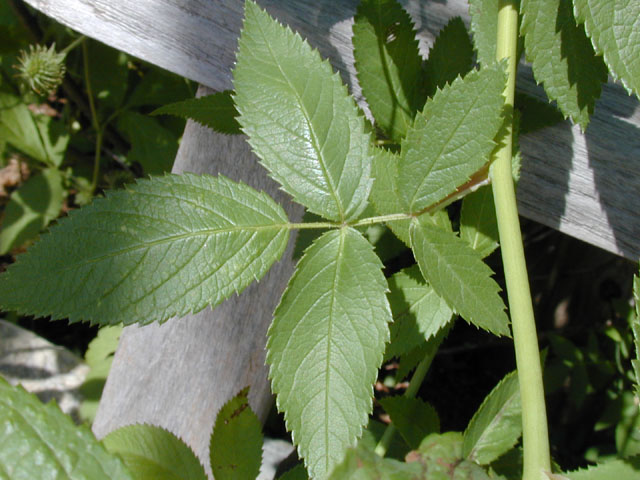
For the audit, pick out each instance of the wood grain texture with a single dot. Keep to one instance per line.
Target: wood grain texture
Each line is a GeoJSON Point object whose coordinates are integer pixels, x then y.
{"type": "Point", "coordinates": [583, 185]}
{"type": "Point", "coordinates": [178, 374]}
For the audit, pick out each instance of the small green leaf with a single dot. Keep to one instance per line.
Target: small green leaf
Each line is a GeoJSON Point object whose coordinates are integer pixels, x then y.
{"type": "Point", "coordinates": [300, 119]}
{"type": "Point", "coordinates": [562, 57]}
{"type": "Point", "coordinates": [325, 346]}
{"type": "Point", "coordinates": [618, 469]}
{"type": "Point", "coordinates": [614, 29]}
{"type": "Point", "coordinates": [418, 311]}
{"type": "Point", "coordinates": [459, 275]}
{"type": "Point", "coordinates": [39, 441]}
{"type": "Point", "coordinates": [38, 136]}
{"type": "Point", "coordinates": [152, 146]}
{"type": "Point", "coordinates": [384, 194]}
{"type": "Point", "coordinates": [215, 111]}
{"type": "Point", "coordinates": [236, 442]}
{"type": "Point", "coordinates": [98, 358]}
{"type": "Point", "coordinates": [152, 452]}
{"type": "Point", "coordinates": [388, 64]}
{"type": "Point", "coordinates": [414, 418]}
{"type": "Point", "coordinates": [484, 26]}
{"type": "Point", "coordinates": [440, 457]}
{"type": "Point", "coordinates": [362, 464]}
{"type": "Point", "coordinates": [635, 327]}
{"type": "Point", "coordinates": [31, 207]}
{"type": "Point", "coordinates": [451, 56]}
{"type": "Point", "coordinates": [452, 138]}
{"type": "Point", "coordinates": [478, 223]}
{"type": "Point", "coordinates": [163, 247]}
{"type": "Point", "coordinates": [497, 424]}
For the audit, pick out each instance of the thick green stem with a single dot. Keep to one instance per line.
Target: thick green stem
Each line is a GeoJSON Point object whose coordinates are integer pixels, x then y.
{"type": "Point", "coordinates": [534, 415]}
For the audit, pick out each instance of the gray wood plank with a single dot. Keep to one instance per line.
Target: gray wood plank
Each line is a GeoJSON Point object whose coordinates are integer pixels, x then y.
{"type": "Point", "coordinates": [580, 184]}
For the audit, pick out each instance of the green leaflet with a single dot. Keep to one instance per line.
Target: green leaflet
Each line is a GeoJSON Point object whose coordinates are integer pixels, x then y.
{"type": "Point", "coordinates": [384, 194]}
{"type": "Point", "coordinates": [38, 136]}
{"type": "Point", "coordinates": [215, 111]}
{"type": "Point", "coordinates": [459, 275]}
{"type": "Point", "coordinates": [414, 418]}
{"type": "Point", "coordinates": [484, 26]}
{"type": "Point", "coordinates": [235, 449]}
{"type": "Point", "coordinates": [325, 346]}
{"type": "Point", "coordinates": [363, 464]}
{"type": "Point", "coordinates": [418, 311]}
{"type": "Point", "coordinates": [497, 424]}
{"type": "Point", "coordinates": [614, 29]}
{"type": "Point", "coordinates": [440, 458]}
{"type": "Point", "coordinates": [163, 247]}
{"type": "Point", "coordinates": [32, 206]}
{"type": "Point", "coordinates": [98, 358]}
{"type": "Point", "coordinates": [478, 223]}
{"type": "Point", "coordinates": [618, 469]}
{"type": "Point", "coordinates": [39, 441]}
{"type": "Point", "coordinates": [451, 56]}
{"type": "Point", "coordinates": [154, 453]}
{"type": "Point", "coordinates": [300, 119]}
{"type": "Point", "coordinates": [388, 64]}
{"type": "Point", "coordinates": [562, 57]}
{"type": "Point", "coordinates": [451, 139]}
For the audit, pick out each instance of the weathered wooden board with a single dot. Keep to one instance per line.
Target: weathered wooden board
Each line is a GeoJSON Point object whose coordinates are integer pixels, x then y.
{"type": "Point", "coordinates": [583, 185]}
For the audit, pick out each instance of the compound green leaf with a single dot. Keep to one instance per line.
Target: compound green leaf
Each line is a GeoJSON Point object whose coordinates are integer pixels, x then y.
{"type": "Point", "coordinates": [451, 56]}
{"type": "Point", "coordinates": [414, 418]}
{"type": "Point", "coordinates": [39, 441]}
{"type": "Point", "coordinates": [236, 443]}
{"type": "Point", "coordinates": [478, 223]}
{"type": "Point", "coordinates": [497, 424]}
{"type": "Point", "coordinates": [614, 29]}
{"type": "Point", "coordinates": [300, 119]}
{"type": "Point", "coordinates": [484, 26]}
{"type": "Point", "coordinates": [215, 111]}
{"type": "Point", "coordinates": [418, 311]}
{"type": "Point", "coordinates": [163, 247]}
{"type": "Point", "coordinates": [388, 64]}
{"type": "Point", "coordinates": [325, 346]}
{"type": "Point", "coordinates": [384, 194]}
{"type": "Point", "coordinates": [452, 138]}
{"type": "Point", "coordinates": [618, 469]}
{"type": "Point", "coordinates": [459, 275]}
{"type": "Point", "coordinates": [562, 57]}
{"type": "Point", "coordinates": [153, 452]}
{"type": "Point", "coordinates": [31, 207]}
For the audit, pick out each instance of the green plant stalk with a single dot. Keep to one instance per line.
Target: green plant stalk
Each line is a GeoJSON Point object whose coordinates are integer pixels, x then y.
{"type": "Point", "coordinates": [94, 117]}
{"type": "Point", "coordinates": [534, 416]}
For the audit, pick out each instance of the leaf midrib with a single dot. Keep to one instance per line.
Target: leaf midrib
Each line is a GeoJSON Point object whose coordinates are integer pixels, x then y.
{"type": "Point", "coordinates": [339, 256]}
{"type": "Point", "coordinates": [176, 238]}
